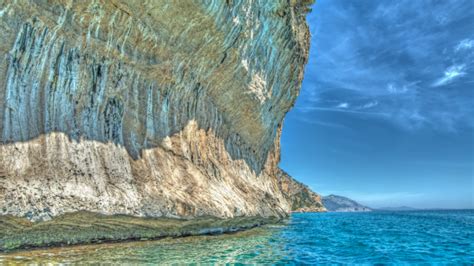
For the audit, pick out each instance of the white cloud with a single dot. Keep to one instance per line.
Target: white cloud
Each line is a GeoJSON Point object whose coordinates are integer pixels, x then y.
{"type": "Point", "coordinates": [410, 119]}
{"type": "Point", "coordinates": [321, 123]}
{"type": "Point", "coordinates": [343, 105]}
{"type": "Point", "coordinates": [465, 44]}
{"type": "Point", "coordinates": [369, 105]}
{"type": "Point", "coordinates": [349, 111]}
{"type": "Point", "coordinates": [451, 73]}
{"type": "Point", "coordinates": [305, 108]}
{"type": "Point", "coordinates": [396, 90]}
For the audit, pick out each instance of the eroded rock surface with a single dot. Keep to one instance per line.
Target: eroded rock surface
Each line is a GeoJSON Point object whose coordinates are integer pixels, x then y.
{"type": "Point", "coordinates": [148, 108]}
{"type": "Point", "coordinates": [300, 196]}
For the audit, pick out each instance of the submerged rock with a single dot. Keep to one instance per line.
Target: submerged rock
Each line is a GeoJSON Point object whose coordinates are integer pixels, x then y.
{"type": "Point", "coordinates": [149, 109]}
{"type": "Point", "coordinates": [86, 227]}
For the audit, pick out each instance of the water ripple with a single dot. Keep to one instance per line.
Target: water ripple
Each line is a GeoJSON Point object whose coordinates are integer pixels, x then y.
{"type": "Point", "coordinates": [347, 238]}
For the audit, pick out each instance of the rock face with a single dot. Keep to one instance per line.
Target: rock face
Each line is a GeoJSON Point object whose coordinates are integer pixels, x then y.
{"type": "Point", "coordinates": [147, 108]}
{"type": "Point", "coordinates": [334, 203]}
{"type": "Point", "coordinates": [301, 198]}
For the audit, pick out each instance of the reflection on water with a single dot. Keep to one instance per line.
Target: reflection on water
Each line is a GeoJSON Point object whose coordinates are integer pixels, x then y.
{"type": "Point", "coordinates": [378, 237]}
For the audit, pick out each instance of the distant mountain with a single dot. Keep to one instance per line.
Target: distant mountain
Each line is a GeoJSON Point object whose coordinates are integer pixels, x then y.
{"type": "Point", "coordinates": [401, 208]}
{"type": "Point", "coordinates": [335, 203]}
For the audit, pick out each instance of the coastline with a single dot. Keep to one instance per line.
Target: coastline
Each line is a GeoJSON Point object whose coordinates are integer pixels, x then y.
{"type": "Point", "coordinates": [82, 228]}
{"type": "Point", "coordinates": [369, 238]}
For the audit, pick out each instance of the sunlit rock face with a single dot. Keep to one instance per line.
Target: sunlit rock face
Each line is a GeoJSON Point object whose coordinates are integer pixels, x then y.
{"type": "Point", "coordinates": [300, 197]}
{"type": "Point", "coordinates": [149, 108]}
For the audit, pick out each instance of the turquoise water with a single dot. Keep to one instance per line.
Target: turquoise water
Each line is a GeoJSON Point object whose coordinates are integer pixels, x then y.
{"type": "Point", "coordinates": [361, 238]}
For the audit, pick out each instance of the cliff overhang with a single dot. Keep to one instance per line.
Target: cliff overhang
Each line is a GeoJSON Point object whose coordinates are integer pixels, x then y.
{"type": "Point", "coordinates": [155, 109]}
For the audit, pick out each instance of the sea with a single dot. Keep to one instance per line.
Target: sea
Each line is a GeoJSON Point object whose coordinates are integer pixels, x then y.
{"type": "Point", "coordinates": [405, 237]}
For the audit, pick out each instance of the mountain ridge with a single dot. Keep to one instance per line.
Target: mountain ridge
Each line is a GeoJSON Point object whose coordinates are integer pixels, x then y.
{"type": "Point", "coordinates": [336, 203]}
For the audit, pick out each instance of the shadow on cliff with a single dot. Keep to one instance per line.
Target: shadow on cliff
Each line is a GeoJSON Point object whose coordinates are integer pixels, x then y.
{"type": "Point", "coordinates": [53, 87]}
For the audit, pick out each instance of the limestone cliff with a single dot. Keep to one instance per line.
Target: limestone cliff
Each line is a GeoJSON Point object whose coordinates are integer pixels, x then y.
{"type": "Point", "coordinates": [300, 196]}
{"type": "Point", "coordinates": [149, 108]}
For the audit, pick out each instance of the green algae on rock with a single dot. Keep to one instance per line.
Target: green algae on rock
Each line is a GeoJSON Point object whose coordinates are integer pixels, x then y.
{"type": "Point", "coordinates": [87, 227]}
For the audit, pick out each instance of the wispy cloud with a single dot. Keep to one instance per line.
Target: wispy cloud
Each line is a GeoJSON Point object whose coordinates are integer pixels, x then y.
{"type": "Point", "coordinates": [369, 105]}
{"type": "Point", "coordinates": [346, 110]}
{"type": "Point", "coordinates": [465, 44]}
{"type": "Point", "coordinates": [391, 88]}
{"type": "Point", "coordinates": [343, 105]}
{"type": "Point", "coordinates": [321, 123]}
{"type": "Point", "coordinates": [391, 63]}
{"type": "Point", "coordinates": [305, 108]}
{"type": "Point", "coordinates": [453, 72]}
{"type": "Point", "coordinates": [383, 59]}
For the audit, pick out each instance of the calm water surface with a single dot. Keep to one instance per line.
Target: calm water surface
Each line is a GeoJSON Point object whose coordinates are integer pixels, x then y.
{"type": "Point", "coordinates": [378, 237]}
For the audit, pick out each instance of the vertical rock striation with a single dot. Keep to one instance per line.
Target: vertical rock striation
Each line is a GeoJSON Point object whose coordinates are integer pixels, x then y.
{"type": "Point", "coordinates": [147, 108]}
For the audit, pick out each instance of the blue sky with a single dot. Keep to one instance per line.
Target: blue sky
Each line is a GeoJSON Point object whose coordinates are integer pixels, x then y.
{"type": "Point", "coordinates": [386, 111]}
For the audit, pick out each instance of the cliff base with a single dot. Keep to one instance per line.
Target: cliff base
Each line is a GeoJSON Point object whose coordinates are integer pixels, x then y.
{"type": "Point", "coordinates": [87, 227]}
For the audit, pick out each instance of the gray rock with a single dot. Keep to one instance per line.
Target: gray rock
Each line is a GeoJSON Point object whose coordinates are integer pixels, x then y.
{"type": "Point", "coordinates": [148, 109]}
{"type": "Point", "coordinates": [334, 203]}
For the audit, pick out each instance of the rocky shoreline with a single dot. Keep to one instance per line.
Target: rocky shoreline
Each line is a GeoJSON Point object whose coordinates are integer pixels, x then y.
{"type": "Point", "coordinates": [171, 111]}
{"type": "Point", "coordinates": [91, 228]}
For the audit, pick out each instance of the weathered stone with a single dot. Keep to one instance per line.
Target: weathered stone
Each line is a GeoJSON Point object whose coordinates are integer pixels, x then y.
{"type": "Point", "coordinates": [86, 227]}
{"type": "Point", "coordinates": [146, 108]}
{"type": "Point", "coordinates": [300, 197]}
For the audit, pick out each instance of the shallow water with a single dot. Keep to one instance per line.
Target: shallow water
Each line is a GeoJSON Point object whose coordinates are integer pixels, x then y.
{"type": "Point", "coordinates": [378, 237]}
